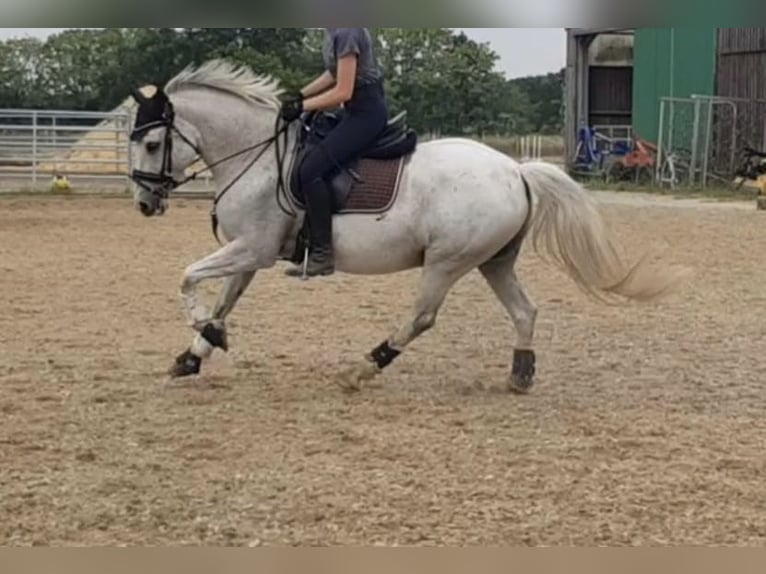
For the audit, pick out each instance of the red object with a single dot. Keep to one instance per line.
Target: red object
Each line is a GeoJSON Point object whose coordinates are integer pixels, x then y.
{"type": "Point", "coordinates": [643, 154]}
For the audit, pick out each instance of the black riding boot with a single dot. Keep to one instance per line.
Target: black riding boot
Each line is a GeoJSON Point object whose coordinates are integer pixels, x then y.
{"type": "Point", "coordinates": [319, 212]}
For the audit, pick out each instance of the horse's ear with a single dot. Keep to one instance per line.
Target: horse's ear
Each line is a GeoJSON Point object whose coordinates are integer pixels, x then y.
{"type": "Point", "coordinates": [137, 95]}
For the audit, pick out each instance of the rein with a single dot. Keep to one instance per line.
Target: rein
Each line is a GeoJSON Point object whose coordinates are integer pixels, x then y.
{"type": "Point", "coordinates": [281, 188]}
{"type": "Point", "coordinates": [168, 183]}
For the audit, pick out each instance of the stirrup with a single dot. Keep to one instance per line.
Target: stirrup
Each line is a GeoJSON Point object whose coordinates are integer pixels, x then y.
{"type": "Point", "coordinates": [323, 270]}
{"type": "Point", "coordinates": [302, 269]}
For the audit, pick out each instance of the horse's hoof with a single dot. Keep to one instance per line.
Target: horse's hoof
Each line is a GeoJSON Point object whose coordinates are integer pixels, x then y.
{"type": "Point", "coordinates": [523, 372]}
{"type": "Point", "coordinates": [352, 380]}
{"type": "Point", "coordinates": [520, 386]}
{"type": "Point", "coordinates": [187, 364]}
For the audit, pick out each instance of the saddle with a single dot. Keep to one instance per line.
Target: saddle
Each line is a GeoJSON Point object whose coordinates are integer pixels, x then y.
{"type": "Point", "coordinates": [367, 183]}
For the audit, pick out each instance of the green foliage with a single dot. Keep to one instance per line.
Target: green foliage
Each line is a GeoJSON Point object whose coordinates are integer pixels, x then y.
{"type": "Point", "coordinates": [543, 100]}
{"type": "Point", "coordinates": [446, 81]}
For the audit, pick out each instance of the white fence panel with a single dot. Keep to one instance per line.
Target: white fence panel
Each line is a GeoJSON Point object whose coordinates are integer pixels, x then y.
{"type": "Point", "coordinates": [88, 148]}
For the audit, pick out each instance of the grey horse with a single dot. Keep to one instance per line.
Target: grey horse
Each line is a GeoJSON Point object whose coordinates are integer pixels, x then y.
{"type": "Point", "coordinates": [461, 206]}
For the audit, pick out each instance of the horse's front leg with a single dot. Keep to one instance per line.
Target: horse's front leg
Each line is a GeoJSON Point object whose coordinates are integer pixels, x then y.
{"type": "Point", "coordinates": [213, 335]}
{"type": "Point", "coordinates": [238, 262]}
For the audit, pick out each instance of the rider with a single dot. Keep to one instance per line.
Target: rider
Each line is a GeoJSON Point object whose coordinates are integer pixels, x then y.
{"type": "Point", "coordinates": [354, 79]}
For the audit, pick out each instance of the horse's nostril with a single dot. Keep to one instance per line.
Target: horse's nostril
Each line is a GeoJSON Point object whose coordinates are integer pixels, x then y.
{"type": "Point", "coordinates": [145, 208]}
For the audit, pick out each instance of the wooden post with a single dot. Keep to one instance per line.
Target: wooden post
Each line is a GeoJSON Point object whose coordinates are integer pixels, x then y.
{"type": "Point", "coordinates": [570, 100]}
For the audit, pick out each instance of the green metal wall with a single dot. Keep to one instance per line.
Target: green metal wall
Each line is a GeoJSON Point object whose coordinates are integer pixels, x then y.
{"type": "Point", "coordinates": [675, 62]}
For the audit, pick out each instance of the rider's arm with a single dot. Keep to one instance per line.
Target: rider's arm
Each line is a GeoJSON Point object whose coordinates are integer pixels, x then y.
{"type": "Point", "coordinates": [341, 92]}
{"type": "Point", "coordinates": [318, 85]}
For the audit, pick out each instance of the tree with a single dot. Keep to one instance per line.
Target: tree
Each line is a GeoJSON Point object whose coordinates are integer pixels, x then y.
{"type": "Point", "coordinates": [545, 93]}
{"type": "Point", "coordinates": [20, 65]}
{"type": "Point", "coordinates": [447, 82]}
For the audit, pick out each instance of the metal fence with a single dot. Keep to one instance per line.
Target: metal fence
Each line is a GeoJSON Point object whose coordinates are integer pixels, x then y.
{"type": "Point", "coordinates": [88, 148]}
{"type": "Point", "coordinates": [701, 138]}
{"type": "Point", "coordinates": [615, 133]}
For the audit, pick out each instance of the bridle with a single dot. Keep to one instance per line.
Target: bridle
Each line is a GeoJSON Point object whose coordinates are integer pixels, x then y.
{"type": "Point", "coordinates": [164, 182]}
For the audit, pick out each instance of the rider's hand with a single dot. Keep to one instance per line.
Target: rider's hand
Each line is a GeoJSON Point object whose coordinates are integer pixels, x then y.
{"type": "Point", "coordinates": [292, 107]}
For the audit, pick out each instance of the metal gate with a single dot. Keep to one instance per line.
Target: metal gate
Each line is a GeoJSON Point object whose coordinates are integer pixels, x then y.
{"type": "Point", "coordinates": [90, 149]}
{"type": "Point", "coordinates": [701, 138]}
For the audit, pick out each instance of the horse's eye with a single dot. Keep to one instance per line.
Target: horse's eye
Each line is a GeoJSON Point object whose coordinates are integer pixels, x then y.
{"type": "Point", "coordinates": [152, 147]}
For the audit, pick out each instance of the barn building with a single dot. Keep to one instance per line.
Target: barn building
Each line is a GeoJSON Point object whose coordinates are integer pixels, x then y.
{"type": "Point", "coordinates": [618, 76]}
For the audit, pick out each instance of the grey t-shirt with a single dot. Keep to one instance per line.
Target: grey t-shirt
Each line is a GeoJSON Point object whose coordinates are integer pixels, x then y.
{"type": "Point", "coordinates": [340, 42]}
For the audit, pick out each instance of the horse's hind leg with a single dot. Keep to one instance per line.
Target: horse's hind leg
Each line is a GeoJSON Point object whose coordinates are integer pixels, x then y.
{"type": "Point", "coordinates": [501, 275]}
{"type": "Point", "coordinates": [435, 283]}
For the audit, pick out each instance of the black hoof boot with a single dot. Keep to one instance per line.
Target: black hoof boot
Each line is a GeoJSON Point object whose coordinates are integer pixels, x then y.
{"type": "Point", "coordinates": [186, 365]}
{"type": "Point", "coordinates": [523, 372]}
{"type": "Point", "coordinates": [216, 336]}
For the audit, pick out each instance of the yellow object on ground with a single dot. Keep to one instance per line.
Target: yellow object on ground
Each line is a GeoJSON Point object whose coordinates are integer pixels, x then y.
{"type": "Point", "coordinates": [60, 184]}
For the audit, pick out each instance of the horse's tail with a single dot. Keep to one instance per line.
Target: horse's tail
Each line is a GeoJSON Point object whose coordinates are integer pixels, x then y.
{"type": "Point", "coordinates": [566, 225]}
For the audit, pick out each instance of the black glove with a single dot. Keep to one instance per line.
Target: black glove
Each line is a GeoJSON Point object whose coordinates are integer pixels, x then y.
{"type": "Point", "coordinates": [292, 96]}
{"type": "Point", "coordinates": [292, 108]}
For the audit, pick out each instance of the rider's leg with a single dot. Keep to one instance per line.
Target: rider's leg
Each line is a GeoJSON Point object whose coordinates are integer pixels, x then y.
{"type": "Point", "coordinates": [358, 129]}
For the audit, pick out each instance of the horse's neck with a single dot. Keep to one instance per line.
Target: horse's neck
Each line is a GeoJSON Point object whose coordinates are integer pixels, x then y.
{"type": "Point", "coordinates": [228, 126]}
{"type": "Point", "coordinates": [233, 127]}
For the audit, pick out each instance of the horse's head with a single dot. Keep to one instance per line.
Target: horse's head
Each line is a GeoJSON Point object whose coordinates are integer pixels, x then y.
{"type": "Point", "coordinates": [164, 146]}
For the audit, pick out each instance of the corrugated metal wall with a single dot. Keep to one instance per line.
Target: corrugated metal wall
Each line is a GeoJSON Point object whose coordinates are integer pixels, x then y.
{"type": "Point", "coordinates": [738, 40]}
{"type": "Point", "coordinates": [741, 73]}
{"type": "Point", "coordinates": [742, 63]}
{"type": "Point", "coordinates": [676, 62]}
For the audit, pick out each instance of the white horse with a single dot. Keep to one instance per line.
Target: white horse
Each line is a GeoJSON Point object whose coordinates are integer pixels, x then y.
{"type": "Point", "coordinates": [461, 206]}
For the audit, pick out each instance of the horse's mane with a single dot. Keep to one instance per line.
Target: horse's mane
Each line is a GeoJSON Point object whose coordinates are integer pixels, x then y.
{"type": "Point", "coordinates": [234, 79]}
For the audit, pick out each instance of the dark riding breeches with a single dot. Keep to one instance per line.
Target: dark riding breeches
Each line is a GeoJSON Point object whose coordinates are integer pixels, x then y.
{"type": "Point", "coordinates": [364, 118]}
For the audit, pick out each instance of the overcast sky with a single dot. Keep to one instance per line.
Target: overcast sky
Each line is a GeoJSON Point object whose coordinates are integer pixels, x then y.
{"type": "Point", "coordinates": [522, 51]}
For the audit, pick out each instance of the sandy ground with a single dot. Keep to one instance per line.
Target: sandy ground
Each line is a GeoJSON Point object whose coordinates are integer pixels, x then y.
{"type": "Point", "coordinates": [647, 425]}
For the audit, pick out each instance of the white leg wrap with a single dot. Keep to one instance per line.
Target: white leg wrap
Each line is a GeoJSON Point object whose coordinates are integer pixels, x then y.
{"type": "Point", "coordinates": [201, 348]}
